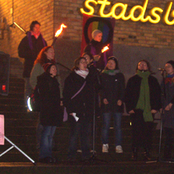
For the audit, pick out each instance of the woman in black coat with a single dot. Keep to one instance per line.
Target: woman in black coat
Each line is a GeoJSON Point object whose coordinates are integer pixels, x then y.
{"type": "Point", "coordinates": [112, 96]}
{"type": "Point", "coordinates": [168, 108]}
{"type": "Point", "coordinates": [78, 95]}
{"type": "Point", "coordinates": [142, 101]}
{"type": "Point", "coordinates": [50, 116]}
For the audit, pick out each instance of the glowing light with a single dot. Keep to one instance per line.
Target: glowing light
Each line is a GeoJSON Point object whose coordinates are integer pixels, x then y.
{"type": "Point", "coordinates": [166, 16]}
{"type": "Point", "coordinates": [58, 32]}
{"type": "Point", "coordinates": [29, 104]}
{"type": "Point", "coordinates": [153, 16]}
{"type": "Point", "coordinates": [106, 48]}
{"type": "Point", "coordinates": [91, 9]}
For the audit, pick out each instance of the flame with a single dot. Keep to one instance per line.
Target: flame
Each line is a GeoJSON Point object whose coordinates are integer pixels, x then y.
{"type": "Point", "coordinates": [58, 32]}
{"type": "Point", "coordinates": [106, 48]}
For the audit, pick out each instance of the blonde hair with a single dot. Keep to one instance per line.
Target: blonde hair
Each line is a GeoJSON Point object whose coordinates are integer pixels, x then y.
{"type": "Point", "coordinates": [95, 32]}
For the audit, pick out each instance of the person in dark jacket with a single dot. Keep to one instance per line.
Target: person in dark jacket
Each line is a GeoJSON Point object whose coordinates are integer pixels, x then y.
{"type": "Point", "coordinates": [95, 47]}
{"type": "Point", "coordinates": [50, 116]}
{"type": "Point", "coordinates": [78, 98]}
{"type": "Point", "coordinates": [95, 74]}
{"type": "Point", "coordinates": [142, 101]}
{"type": "Point", "coordinates": [29, 48]}
{"type": "Point", "coordinates": [168, 108]}
{"type": "Point", "coordinates": [112, 96]}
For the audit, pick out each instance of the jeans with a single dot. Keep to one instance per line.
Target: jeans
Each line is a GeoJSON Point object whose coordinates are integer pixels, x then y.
{"type": "Point", "coordinates": [117, 126]}
{"type": "Point", "coordinates": [83, 129]}
{"type": "Point", "coordinates": [46, 141]}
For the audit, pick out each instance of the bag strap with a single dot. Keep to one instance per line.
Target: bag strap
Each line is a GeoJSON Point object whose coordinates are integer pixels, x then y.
{"type": "Point", "coordinates": [79, 90]}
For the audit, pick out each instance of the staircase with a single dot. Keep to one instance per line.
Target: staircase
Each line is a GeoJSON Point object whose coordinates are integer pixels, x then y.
{"type": "Point", "coordinates": [20, 128]}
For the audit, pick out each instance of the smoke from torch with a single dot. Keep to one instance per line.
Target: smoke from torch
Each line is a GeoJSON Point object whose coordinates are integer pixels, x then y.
{"type": "Point", "coordinates": [58, 32]}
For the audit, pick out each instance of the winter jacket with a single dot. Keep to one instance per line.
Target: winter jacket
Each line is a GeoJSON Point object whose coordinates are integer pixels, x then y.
{"type": "Point", "coordinates": [113, 88]}
{"type": "Point", "coordinates": [50, 112]}
{"type": "Point", "coordinates": [133, 91]}
{"type": "Point", "coordinates": [168, 116]}
{"type": "Point", "coordinates": [83, 103]}
{"type": "Point", "coordinates": [28, 49]}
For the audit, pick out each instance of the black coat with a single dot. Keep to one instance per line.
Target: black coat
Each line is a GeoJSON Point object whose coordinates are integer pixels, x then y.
{"type": "Point", "coordinates": [95, 48]}
{"type": "Point", "coordinates": [83, 103]}
{"type": "Point", "coordinates": [30, 54]}
{"type": "Point", "coordinates": [50, 112]}
{"type": "Point", "coordinates": [133, 91]}
{"type": "Point", "coordinates": [113, 88]}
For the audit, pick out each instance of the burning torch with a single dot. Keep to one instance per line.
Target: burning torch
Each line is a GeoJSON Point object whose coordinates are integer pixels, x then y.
{"type": "Point", "coordinates": [104, 49]}
{"type": "Point", "coordinates": [58, 32]}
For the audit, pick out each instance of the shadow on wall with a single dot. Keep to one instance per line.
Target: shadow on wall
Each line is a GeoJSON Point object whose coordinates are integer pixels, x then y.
{"type": "Point", "coordinates": [66, 51]}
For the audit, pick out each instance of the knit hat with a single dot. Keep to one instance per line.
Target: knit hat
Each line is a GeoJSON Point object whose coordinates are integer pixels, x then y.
{"type": "Point", "coordinates": [47, 67]}
{"type": "Point", "coordinates": [115, 60]}
{"type": "Point", "coordinates": [171, 62]}
{"type": "Point", "coordinates": [95, 32]}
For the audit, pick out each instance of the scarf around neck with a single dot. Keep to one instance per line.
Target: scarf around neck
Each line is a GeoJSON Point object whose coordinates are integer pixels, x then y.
{"type": "Point", "coordinates": [169, 79]}
{"type": "Point", "coordinates": [82, 73]}
{"type": "Point", "coordinates": [111, 72]}
{"type": "Point", "coordinates": [144, 96]}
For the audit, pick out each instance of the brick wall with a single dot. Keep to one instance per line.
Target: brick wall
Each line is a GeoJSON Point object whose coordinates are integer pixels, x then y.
{"type": "Point", "coordinates": [126, 32]}
{"type": "Point", "coordinates": [24, 13]}
{"type": "Point", "coordinates": [51, 13]}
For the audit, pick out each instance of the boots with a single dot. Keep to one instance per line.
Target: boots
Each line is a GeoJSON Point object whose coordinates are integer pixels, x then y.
{"type": "Point", "coordinates": [134, 154]}
{"type": "Point", "coordinates": [146, 155]}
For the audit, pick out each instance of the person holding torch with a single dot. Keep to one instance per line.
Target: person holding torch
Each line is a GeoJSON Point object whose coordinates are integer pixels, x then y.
{"type": "Point", "coordinates": [95, 48]}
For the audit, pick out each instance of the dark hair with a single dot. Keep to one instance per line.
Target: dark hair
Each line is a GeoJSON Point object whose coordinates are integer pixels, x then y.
{"type": "Point", "coordinates": [33, 24]}
{"type": "Point", "coordinates": [115, 60]}
{"type": "Point", "coordinates": [148, 65]}
{"type": "Point", "coordinates": [89, 54]}
{"type": "Point", "coordinates": [77, 62]}
{"type": "Point", "coordinates": [171, 62]}
{"type": "Point", "coordinates": [42, 57]}
{"type": "Point", "coordinates": [47, 67]}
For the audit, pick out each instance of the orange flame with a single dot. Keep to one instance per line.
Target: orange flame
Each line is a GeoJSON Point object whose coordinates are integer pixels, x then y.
{"type": "Point", "coordinates": [106, 48]}
{"type": "Point", "coordinates": [58, 32]}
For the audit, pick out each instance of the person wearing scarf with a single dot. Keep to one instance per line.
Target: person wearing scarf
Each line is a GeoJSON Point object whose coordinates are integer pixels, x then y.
{"type": "Point", "coordinates": [167, 88]}
{"type": "Point", "coordinates": [112, 97]}
{"type": "Point", "coordinates": [28, 49]}
{"type": "Point", "coordinates": [78, 98]}
{"type": "Point", "coordinates": [142, 99]}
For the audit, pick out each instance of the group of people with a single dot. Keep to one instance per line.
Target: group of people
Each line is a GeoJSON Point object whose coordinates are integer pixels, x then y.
{"type": "Point", "coordinates": [96, 87]}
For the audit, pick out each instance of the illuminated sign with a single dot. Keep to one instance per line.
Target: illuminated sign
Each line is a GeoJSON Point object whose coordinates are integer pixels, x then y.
{"type": "Point", "coordinates": [136, 13]}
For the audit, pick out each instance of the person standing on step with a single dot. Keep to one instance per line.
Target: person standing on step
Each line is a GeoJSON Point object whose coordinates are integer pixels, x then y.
{"type": "Point", "coordinates": [78, 98]}
{"type": "Point", "coordinates": [50, 115]}
{"type": "Point", "coordinates": [112, 97]}
{"type": "Point", "coordinates": [46, 55]}
{"type": "Point", "coordinates": [168, 109]}
{"type": "Point", "coordinates": [142, 99]}
{"type": "Point", "coordinates": [29, 48]}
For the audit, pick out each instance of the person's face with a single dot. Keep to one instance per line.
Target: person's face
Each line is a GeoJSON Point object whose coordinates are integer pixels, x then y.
{"type": "Point", "coordinates": [111, 65]}
{"type": "Point", "coordinates": [53, 70]}
{"type": "Point", "coordinates": [169, 68]}
{"type": "Point", "coordinates": [83, 64]}
{"type": "Point", "coordinates": [36, 29]}
{"type": "Point", "coordinates": [98, 37]}
{"type": "Point", "coordinates": [88, 60]}
{"type": "Point", "coordinates": [142, 66]}
{"type": "Point", "coordinates": [50, 53]}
